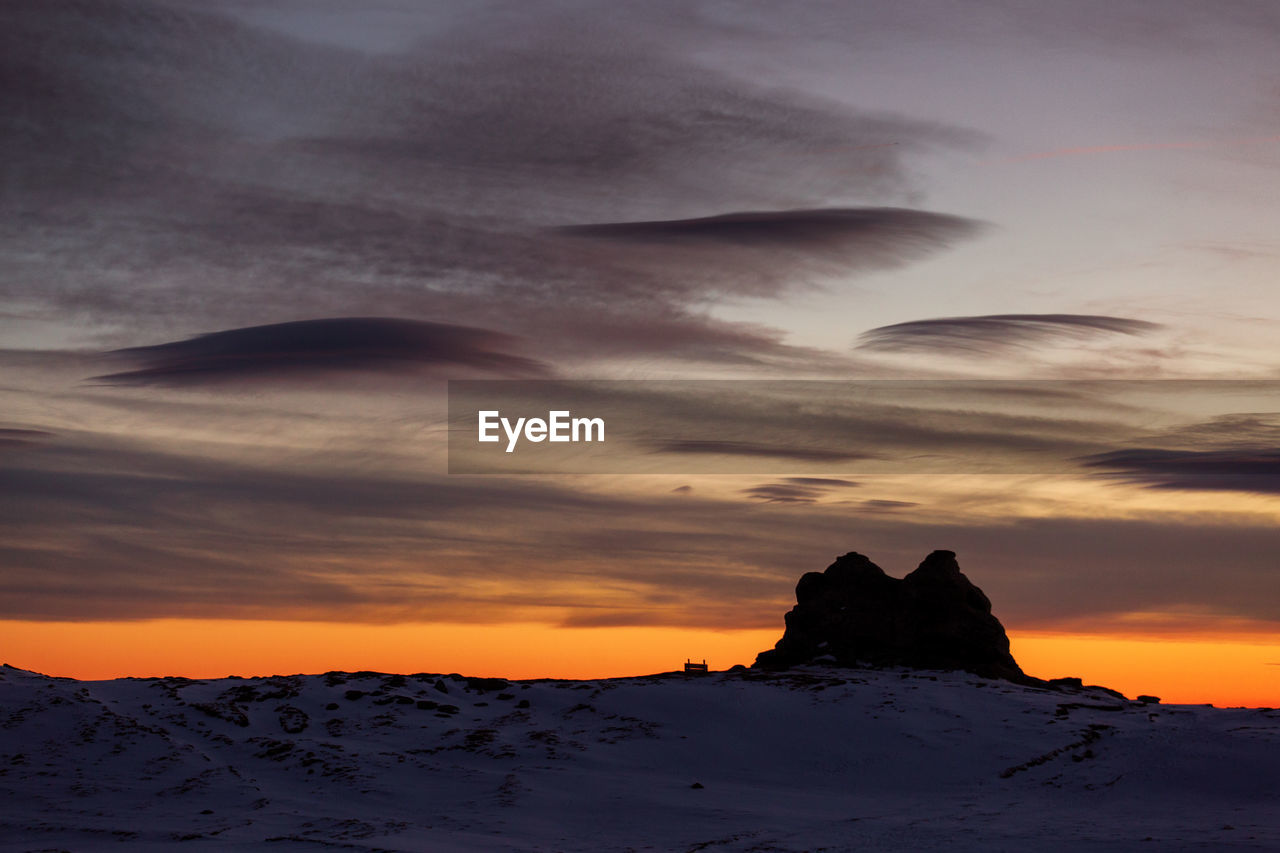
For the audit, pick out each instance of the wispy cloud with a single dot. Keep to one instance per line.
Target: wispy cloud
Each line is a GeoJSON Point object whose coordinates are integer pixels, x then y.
{"type": "Point", "coordinates": [802, 490]}
{"type": "Point", "coordinates": [235, 173]}
{"type": "Point", "coordinates": [14, 438]}
{"type": "Point", "coordinates": [781, 493]}
{"type": "Point", "coordinates": [995, 332]}
{"type": "Point", "coordinates": [1082, 150]}
{"type": "Point", "coordinates": [275, 541]}
{"type": "Point", "coordinates": [881, 505]}
{"type": "Point", "coordinates": [767, 427]}
{"type": "Point", "coordinates": [752, 448]}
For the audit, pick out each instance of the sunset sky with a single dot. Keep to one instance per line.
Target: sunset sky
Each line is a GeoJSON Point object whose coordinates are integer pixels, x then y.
{"type": "Point", "coordinates": [245, 244]}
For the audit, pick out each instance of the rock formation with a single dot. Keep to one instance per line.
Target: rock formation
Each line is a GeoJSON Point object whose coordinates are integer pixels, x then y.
{"type": "Point", "coordinates": [854, 614]}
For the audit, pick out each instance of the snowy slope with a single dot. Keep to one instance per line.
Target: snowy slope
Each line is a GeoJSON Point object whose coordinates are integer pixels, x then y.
{"type": "Point", "coordinates": [807, 760]}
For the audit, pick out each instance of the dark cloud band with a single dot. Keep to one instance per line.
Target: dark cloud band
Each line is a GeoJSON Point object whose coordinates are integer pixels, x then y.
{"type": "Point", "coordinates": [892, 228]}
{"type": "Point", "coordinates": [994, 332]}
{"type": "Point", "coordinates": [307, 348]}
{"type": "Point", "coordinates": [1238, 470]}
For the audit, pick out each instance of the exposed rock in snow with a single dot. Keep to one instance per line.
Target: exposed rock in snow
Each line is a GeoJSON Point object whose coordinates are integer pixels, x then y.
{"type": "Point", "coordinates": [934, 618]}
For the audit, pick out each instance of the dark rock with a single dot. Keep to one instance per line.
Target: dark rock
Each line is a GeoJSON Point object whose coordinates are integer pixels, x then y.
{"type": "Point", "coordinates": [231, 713]}
{"type": "Point", "coordinates": [854, 614]}
{"type": "Point", "coordinates": [1148, 700]}
{"type": "Point", "coordinates": [1099, 688]}
{"type": "Point", "coordinates": [293, 720]}
{"type": "Point", "coordinates": [485, 685]}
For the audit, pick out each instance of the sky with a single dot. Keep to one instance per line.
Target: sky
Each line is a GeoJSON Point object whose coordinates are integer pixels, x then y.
{"type": "Point", "coordinates": [245, 245]}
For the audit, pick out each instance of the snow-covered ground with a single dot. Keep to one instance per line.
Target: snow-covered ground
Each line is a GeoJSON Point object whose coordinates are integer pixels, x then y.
{"type": "Point", "coordinates": [812, 759]}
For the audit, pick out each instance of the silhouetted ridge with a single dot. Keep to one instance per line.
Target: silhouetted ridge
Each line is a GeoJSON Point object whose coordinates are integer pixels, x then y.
{"type": "Point", "coordinates": [855, 614]}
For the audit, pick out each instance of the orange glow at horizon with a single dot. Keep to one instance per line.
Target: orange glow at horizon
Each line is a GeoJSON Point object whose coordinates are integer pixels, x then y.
{"type": "Point", "coordinates": [1182, 670]}
{"type": "Point", "coordinates": [1185, 670]}
{"type": "Point", "coordinates": [213, 648]}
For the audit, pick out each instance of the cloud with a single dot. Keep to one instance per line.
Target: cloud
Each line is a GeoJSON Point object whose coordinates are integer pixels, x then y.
{"type": "Point", "coordinates": [840, 428]}
{"type": "Point", "coordinates": [105, 529]}
{"type": "Point", "coordinates": [590, 618]}
{"type": "Point", "coordinates": [1238, 451]}
{"type": "Point", "coordinates": [193, 181]}
{"type": "Point", "coordinates": [14, 438]}
{"type": "Point", "coordinates": [168, 170]}
{"type": "Point", "coordinates": [883, 235]}
{"type": "Point", "coordinates": [805, 490]}
{"type": "Point", "coordinates": [1237, 470]}
{"type": "Point", "coordinates": [995, 332]}
{"type": "Point", "coordinates": [1242, 431]}
{"type": "Point", "coordinates": [307, 348]}
{"type": "Point", "coordinates": [755, 449]}
{"type": "Point", "coordinates": [891, 426]}
{"type": "Point", "coordinates": [877, 505]}
{"type": "Point", "coordinates": [780, 493]}
{"type": "Point", "coordinates": [98, 529]}
{"type": "Point", "coordinates": [1143, 146]}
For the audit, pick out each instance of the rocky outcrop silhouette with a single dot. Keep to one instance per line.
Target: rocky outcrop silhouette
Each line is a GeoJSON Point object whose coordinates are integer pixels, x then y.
{"type": "Point", "coordinates": [853, 614]}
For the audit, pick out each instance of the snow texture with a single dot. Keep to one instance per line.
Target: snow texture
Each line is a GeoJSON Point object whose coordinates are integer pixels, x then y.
{"type": "Point", "coordinates": [816, 758]}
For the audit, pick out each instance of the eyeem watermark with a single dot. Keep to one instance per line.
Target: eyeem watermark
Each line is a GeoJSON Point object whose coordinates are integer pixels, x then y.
{"type": "Point", "coordinates": [559, 426]}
